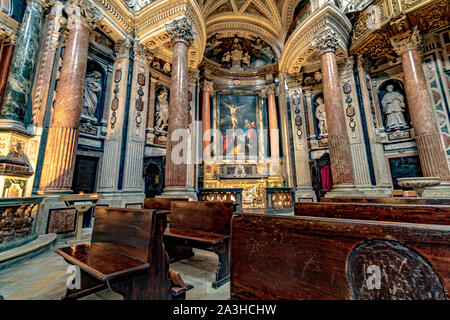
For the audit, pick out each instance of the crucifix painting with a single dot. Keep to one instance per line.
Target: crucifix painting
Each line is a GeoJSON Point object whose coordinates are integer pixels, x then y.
{"type": "Point", "coordinates": [238, 125]}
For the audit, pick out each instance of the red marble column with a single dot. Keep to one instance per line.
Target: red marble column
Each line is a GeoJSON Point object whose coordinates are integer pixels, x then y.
{"type": "Point", "coordinates": [273, 125]}
{"type": "Point", "coordinates": [338, 142]}
{"type": "Point", "coordinates": [182, 36]}
{"type": "Point", "coordinates": [206, 119]}
{"type": "Point", "coordinates": [59, 159]}
{"type": "Point", "coordinates": [5, 64]}
{"type": "Point", "coordinates": [431, 151]}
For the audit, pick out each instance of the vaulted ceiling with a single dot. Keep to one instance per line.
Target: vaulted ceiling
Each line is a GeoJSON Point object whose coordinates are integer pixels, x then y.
{"type": "Point", "coordinates": [245, 18]}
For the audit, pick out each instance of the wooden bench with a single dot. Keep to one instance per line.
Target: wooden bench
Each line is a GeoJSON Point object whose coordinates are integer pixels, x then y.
{"type": "Point", "coordinates": [314, 258]}
{"type": "Point", "coordinates": [160, 203]}
{"type": "Point", "coordinates": [411, 213]}
{"type": "Point", "coordinates": [390, 200]}
{"type": "Point", "coordinates": [202, 225]}
{"type": "Point", "coordinates": [126, 254]}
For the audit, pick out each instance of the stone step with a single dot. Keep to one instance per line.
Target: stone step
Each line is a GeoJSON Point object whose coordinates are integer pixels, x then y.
{"type": "Point", "coordinates": [27, 251]}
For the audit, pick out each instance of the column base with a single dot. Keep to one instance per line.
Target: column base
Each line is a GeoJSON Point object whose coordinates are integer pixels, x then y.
{"type": "Point", "coordinates": [440, 191]}
{"type": "Point", "coordinates": [179, 192]}
{"type": "Point", "coordinates": [376, 191]}
{"type": "Point", "coordinates": [122, 199]}
{"type": "Point", "coordinates": [305, 194]}
{"type": "Point", "coordinates": [344, 190]}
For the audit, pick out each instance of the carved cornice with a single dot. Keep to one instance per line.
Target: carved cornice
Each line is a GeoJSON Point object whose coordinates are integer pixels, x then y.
{"type": "Point", "coordinates": [181, 30]}
{"type": "Point", "coordinates": [386, 19]}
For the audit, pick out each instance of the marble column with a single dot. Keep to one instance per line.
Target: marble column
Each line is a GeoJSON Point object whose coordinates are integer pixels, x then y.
{"type": "Point", "coordinates": [274, 133]}
{"type": "Point", "coordinates": [182, 36]}
{"type": "Point", "coordinates": [21, 72]}
{"type": "Point", "coordinates": [206, 119]}
{"type": "Point", "coordinates": [62, 141]}
{"type": "Point", "coordinates": [432, 156]}
{"type": "Point", "coordinates": [338, 142]}
{"type": "Point", "coordinates": [5, 64]}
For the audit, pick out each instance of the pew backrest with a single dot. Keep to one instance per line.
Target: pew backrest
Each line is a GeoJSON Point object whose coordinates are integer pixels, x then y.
{"type": "Point", "coordinates": [160, 203]}
{"type": "Point", "coordinates": [409, 213]}
{"type": "Point", "coordinates": [390, 200]}
{"type": "Point", "coordinates": [126, 231]}
{"type": "Point", "coordinates": [292, 257]}
{"type": "Point", "coordinates": [206, 216]}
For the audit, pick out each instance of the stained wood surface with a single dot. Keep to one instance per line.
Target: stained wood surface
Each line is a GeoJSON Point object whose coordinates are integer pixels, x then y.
{"type": "Point", "coordinates": [287, 257]}
{"type": "Point", "coordinates": [104, 264]}
{"type": "Point", "coordinates": [206, 237]}
{"type": "Point", "coordinates": [123, 230]}
{"type": "Point", "coordinates": [160, 203]}
{"type": "Point", "coordinates": [390, 200]}
{"type": "Point", "coordinates": [423, 214]}
{"type": "Point", "coordinates": [127, 252]}
{"type": "Point", "coordinates": [205, 216]}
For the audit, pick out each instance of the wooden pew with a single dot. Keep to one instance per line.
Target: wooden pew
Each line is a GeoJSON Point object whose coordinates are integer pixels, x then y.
{"type": "Point", "coordinates": [312, 258]}
{"type": "Point", "coordinates": [160, 203]}
{"type": "Point", "coordinates": [126, 254]}
{"type": "Point", "coordinates": [390, 200]}
{"type": "Point", "coordinates": [203, 225]}
{"type": "Point", "coordinates": [411, 213]}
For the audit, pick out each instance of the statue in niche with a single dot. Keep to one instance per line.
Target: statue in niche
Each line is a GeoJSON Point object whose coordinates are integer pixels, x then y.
{"type": "Point", "coordinates": [321, 117]}
{"type": "Point", "coordinates": [393, 108]}
{"type": "Point", "coordinates": [92, 86]}
{"type": "Point", "coordinates": [162, 111]}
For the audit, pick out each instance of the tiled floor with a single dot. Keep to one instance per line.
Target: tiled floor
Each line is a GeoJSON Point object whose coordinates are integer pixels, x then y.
{"type": "Point", "coordinates": [44, 278]}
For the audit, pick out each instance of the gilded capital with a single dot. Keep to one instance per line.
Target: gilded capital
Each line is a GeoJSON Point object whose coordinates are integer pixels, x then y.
{"type": "Point", "coordinates": [326, 41]}
{"type": "Point", "coordinates": [181, 30]}
{"type": "Point", "coordinates": [412, 41]}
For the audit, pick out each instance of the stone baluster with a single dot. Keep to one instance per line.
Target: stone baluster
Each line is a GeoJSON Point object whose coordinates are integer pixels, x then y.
{"type": "Point", "coordinates": [59, 159]}
{"type": "Point", "coordinates": [20, 76]}
{"type": "Point", "coordinates": [428, 138]}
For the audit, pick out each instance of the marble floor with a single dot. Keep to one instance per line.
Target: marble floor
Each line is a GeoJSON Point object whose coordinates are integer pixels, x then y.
{"type": "Point", "coordinates": [44, 278]}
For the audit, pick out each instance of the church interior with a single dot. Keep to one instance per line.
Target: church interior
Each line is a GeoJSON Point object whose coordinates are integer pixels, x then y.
{"type": "Point", "coordinates": [224, 149]}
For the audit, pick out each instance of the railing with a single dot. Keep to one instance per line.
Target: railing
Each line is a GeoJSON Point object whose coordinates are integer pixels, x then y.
{"type": "Point", "coordinates": [18, 221]}
{"type": "Point", "coordinates": [280, 199]}
{"type": "Point", "coordinates": [234, 195]}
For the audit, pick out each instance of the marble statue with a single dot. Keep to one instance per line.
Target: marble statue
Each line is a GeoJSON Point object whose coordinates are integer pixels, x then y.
{"type": "Point", "coordinates": [92, 86]}
{"type": "Point", "coordinates": [162, 115]}
{"type": "Point", "coordinates": [393, 107]}
{"type": "Point", "coordinates": [321, 117]}
{"type": "Point", "coordinates": [237, 56]}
